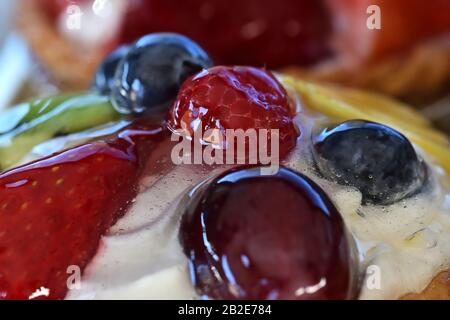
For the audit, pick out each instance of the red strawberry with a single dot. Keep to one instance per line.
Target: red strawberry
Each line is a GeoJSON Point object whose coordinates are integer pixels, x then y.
{"type": "Point", "coordinates": [234, 98]}
{"type": "Point", "coordinates": [53, 212]}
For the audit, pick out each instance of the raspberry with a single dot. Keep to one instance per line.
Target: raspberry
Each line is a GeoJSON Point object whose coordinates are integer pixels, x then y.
{"type": "Point", "coordinates": [234, 98]}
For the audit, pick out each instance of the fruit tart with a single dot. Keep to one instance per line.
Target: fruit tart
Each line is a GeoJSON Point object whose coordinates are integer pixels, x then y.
{"type": "Point", "coordinates": [400, 47]}
{"type": "Point", "coordinates": [137, 190]}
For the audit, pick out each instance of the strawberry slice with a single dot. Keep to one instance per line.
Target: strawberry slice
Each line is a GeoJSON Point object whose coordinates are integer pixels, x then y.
{"type": "Point", "coordinates": [53, 212]}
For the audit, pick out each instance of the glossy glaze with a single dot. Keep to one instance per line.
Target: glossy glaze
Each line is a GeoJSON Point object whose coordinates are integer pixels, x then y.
{"type": "Point", "coordinates": [249, 236]}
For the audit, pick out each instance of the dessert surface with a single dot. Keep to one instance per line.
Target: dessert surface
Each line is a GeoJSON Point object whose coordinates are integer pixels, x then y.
{"type": "Point", "coordinates": [153, 166]}
{"type": "Point", "coordinates": [346, 196]}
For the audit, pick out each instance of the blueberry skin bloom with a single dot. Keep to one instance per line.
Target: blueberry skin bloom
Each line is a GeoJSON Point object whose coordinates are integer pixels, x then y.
{"type": "Point", "coordinates": [377, 160]}
{"type": "Point", "coordinates": [149, 76]}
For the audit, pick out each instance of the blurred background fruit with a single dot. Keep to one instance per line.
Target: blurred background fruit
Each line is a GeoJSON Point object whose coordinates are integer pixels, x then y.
{"type": "Point", "coordinates": [324, 40]}
{"type": "Point", "coordinates": [250, 32]}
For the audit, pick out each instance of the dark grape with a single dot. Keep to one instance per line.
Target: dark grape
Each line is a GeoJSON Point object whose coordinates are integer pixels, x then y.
{"type": "Point", "coordinates": [251, 236]}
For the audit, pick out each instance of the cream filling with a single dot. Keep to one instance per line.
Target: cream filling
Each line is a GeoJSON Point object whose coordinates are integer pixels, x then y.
{"type": "Point", "coordinates": [141, 258]}
{"type": "Point", "coordinates": [403, 245]}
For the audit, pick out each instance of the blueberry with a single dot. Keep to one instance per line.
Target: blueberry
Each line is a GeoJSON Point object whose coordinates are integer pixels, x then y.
{"type": "Point", "coordinates": [371, 157]}
{"type": "Point", "coordinates": [150, 75]}
{"type": "Point", "coordinates": [104, 77]}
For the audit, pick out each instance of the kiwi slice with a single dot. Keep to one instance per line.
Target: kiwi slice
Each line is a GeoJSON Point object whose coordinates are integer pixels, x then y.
{"type": "Point", "coordinates": [29, 124]}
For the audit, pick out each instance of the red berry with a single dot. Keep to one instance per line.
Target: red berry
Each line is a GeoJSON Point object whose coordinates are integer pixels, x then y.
{"type": "Point", "coordinates": [235, 98]}
{"type": "Point", "coordinates": [53, 212]}
{"type": "Point", "coordinates": [249, 236]}
{"type": "Point", "coordinates": [249, 32]}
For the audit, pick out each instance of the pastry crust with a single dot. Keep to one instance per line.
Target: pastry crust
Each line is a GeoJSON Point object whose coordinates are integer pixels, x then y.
{"type": "Point", "coordinates": [438, 289]}
{"type": "Point", "coordinates": [415, 76]}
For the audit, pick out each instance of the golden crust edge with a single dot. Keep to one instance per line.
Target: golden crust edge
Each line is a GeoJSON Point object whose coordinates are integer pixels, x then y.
{"type": "Point", "coordinates": [417, 75]}
{"type": "Point", "coordinates": [437, 289]}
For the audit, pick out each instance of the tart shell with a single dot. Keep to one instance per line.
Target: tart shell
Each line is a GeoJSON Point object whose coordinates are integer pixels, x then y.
{"type": "Point", "coordinates": [438, 289]}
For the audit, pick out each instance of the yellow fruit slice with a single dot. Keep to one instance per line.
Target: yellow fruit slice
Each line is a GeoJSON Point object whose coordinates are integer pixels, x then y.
{"type": "Point", "coordinates": [343, 104]}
